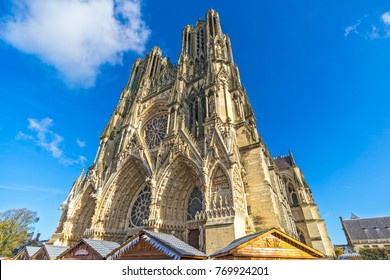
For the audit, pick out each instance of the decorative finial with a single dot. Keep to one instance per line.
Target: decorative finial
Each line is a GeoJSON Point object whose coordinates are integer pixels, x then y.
{"type": "Point", "coordinates": [354, 217]}
{"type": "Point", "coordinates": [291, 157]}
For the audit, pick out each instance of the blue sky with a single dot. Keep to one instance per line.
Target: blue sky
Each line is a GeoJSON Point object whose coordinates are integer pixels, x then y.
{"type": "Point", "coordinates": [316, 72]}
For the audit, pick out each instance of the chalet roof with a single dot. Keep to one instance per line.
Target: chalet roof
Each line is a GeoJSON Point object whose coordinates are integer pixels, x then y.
{"type": "Point", "coordinates": [102, 247]}
{"type": "Point", "coordinates": [175, 243]}
{"type": "Point", "coordinates": [351, 255]}
{"type": "Point", "coordinates": [31, 250]}
{"type": "Point", "coordinates": [283, 162]}
{"type": "Point", "coordinates": [26, 251]}
{"type": "Point", "coordinates": [166, 243]}
{"type": "Point", "coordinates": [240, 241]}
{"type": "Point", "coordinates": [55, 251]}
{"type": "Point", "coordinates": [367, 228]}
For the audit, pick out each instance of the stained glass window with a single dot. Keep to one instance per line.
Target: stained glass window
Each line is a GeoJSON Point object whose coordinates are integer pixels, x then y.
{"type": "Point", "coordinates": [195, 203]}
{"type": "Point", "coordinates": [293, 195]}
{"type": "Point", "coordinates": [140, 209]}
{"type": "Point", "coordinates": [301, 237]}
{"type": "Point", "coordinates": [155, 131]}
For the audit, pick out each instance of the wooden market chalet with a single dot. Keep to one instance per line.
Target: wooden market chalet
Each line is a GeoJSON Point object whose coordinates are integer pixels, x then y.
{"type": "Point", "coordinates": [270, 244]}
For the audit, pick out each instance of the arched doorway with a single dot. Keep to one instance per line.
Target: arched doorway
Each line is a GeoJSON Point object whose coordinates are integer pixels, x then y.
{"type": "Point", "coordinates": [112, 220]}
{"type": "Point", "coordinates": [179, 198]}
{"type": "Point", "coordinates": [81, 218]}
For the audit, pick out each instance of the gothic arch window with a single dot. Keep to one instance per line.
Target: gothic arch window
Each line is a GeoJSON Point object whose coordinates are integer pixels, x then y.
{"type": "Point", "coordinates": [202, 39]}
{"type": "Point", "coordinates": [199, 40]}
{"type": "Point", "coordinates": [215, 24]}
{"type": "Point", "coordinates": [141, 208]}
{"type": "Point", "coordinates": [228, 51]}
{"type": "Point", "coordinates": [189, 44]}
{"type": "Point", "coordinates": [211, 27]}
{"type": "Point", "coordinates": [195, 203]}
{"type": "Point", "coordinates": [301, 237]}
{"type": "Point", "coordinates": [137, 78]}
{"type": "Point", "coordinates": [293, 195]}
{"type": "Point", "coordinates": [196, 106]}
{"type": "Point", "coordinates": [294, 198]}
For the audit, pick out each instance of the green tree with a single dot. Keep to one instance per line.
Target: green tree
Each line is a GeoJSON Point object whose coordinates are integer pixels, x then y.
{"type": "Point", "coordinates": [14, 227]}
{"type": "Point", "coordinates": [338, 251]}
{"type": "Point", "coordinates": [375, 253]}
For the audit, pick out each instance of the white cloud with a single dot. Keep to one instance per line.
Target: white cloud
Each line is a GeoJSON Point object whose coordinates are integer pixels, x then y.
{"type": "Point", "coordinates": [34, 189]}
{"type": "Point", "coordinates": [386, 18]}
{"type": "Point", "coordinates": [81, 143]}
{"type": "Point", "coordinates": [69, 161]}
{"type": "Point", "coordinates": [76, 36]}
{"type": "Point", "coordinates": [369, 27]}
{"type": "Point", "coordinates": [23, 136]}
{"type": "Point", "coordinates": [351, 28]}
{"type": "Point", "coordinates": [374, 34]}
{"type": "Point", "coordinates": [50, 141]}
{"type": "Point", "coordinates": [46, 138]}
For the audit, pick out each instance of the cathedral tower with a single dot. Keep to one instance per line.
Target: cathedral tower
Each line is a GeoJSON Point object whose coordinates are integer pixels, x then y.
{"type": "Point", "coordinates": [181, 154]}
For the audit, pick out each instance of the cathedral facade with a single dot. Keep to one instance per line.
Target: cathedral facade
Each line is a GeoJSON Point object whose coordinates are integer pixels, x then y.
{"type": "Point", "coordinates": [181, 154]}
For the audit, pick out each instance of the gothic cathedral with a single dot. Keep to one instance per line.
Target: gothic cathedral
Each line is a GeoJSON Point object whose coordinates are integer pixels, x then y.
{"type": "Point", "coordinates": [181, 154]}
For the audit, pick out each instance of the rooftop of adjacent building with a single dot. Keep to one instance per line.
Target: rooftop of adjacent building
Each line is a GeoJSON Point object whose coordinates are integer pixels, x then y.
{"type": "Point", "coordinates": [367, 228]}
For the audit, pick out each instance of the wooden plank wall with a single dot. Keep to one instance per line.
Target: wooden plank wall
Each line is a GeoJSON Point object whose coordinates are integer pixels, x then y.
{"type": "Point", "coordinates": [143, 251]}
{"type": "Point", "coordinates": [268, 248]}
{"type": "Point", "coordinates": [92, 255]}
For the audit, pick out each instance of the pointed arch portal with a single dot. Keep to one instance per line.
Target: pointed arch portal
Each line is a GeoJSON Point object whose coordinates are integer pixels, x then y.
{"type": "Point", "coordinates": [182, 196]}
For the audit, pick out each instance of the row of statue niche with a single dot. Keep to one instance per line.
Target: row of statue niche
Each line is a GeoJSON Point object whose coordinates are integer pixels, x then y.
{"type": "Point", "coordinates": [220, 201]}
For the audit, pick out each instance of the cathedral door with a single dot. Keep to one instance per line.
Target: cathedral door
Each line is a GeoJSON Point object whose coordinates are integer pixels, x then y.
{"type": "Point", "coordinates": [193, 238]}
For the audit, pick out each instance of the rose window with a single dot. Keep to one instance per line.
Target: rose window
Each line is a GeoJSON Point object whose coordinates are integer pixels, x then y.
{"type": "Point", "coordinates": [155, 130]}
{"type": "Point", "coordinates": [140, 209]}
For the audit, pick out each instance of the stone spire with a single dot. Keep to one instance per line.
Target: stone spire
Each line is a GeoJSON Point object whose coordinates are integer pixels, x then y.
{"type": "Point", "coordinates": [290, 154]}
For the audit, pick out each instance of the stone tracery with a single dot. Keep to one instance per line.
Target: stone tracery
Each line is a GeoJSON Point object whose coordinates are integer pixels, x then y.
{"type": "Point", "coordinates": [155, 131]}
{"type": "Point", "coordinates": [195, 203]}
{"type": "Point", "coordinates": [141, 208]}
